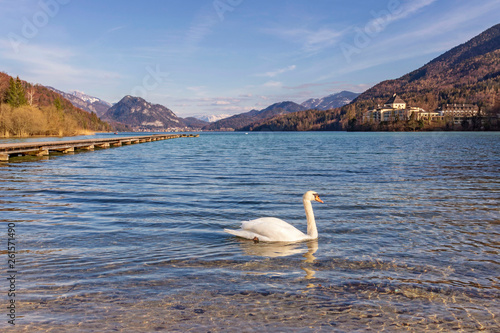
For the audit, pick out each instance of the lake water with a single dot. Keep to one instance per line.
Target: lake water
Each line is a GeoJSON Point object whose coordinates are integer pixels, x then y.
{"type": "Point", "coordinates": [130, 239]}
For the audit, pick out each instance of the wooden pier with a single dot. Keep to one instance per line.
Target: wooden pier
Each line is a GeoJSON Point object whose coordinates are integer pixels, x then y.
{"type": "Point", "coordinates": [45, 148]}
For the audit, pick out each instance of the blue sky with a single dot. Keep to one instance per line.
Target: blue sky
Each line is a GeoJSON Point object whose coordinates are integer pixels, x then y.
{"type": "Point", "coordinates": [229, 56]}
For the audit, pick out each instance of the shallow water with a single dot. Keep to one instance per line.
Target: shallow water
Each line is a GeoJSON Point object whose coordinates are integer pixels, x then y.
{"type": "Point", "coordinates": [130, 238]}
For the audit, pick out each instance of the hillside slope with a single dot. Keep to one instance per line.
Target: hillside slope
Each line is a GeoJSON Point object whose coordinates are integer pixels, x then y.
{"type": "Point", "coordinates": [468, 73]}
{"type": "Point", "coordinates": [85, 102]}
{"type": "Point", "coordinates": [45, 113]}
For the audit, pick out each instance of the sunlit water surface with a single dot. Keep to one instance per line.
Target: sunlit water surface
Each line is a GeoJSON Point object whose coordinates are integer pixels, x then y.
{"type": "Point", "coordinates": [131, 238]}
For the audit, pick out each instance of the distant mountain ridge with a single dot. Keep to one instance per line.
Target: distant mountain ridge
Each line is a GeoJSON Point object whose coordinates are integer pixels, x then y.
{"type": "Point", "coordinates": [244, 119]}
{"type": "Point", "coordinates": [331, 101]}
{"type": "Point", "coordinates": [212, 118]}
{"type": "Point", "coordinates": [141, 115]}
{"type": "Point", "coordinates": [282, 108]}
{"type": "Point", "coordinates": [84, 101]}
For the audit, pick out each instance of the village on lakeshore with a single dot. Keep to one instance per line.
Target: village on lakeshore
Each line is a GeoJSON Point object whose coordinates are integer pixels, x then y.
{"type": "Point", "coordinates": [396, 110]}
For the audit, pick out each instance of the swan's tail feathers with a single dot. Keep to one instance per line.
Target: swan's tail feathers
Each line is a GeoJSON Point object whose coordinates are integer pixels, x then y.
{"type": "Point", "coordinates": [241, 233]}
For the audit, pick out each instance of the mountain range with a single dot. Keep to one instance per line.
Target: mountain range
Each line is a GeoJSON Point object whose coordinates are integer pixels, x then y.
{"type": "Point", "coordinates": [243, 120]}
{"type": "Point", "coordinates": [84, 101]}
{"type": "Point", "coordinates": [331, 101]}
{"type": "Point", "coordinates": [136, 114]}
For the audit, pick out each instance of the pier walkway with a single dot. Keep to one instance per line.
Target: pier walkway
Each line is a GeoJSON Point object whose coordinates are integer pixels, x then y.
{"type": "Point", "coordinates": [9, 150]}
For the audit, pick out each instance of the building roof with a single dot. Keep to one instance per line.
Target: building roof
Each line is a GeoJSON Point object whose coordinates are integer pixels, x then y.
{"type": "Point", "coordinates": [395, 99]}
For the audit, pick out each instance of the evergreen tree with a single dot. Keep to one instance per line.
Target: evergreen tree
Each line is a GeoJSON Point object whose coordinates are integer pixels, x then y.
{"type": "Point", "coordinates": [11, 94]}
{"type": "Point", "coordinates": [21, 94]}
{"type": "Point", "coordinates": [15, 95]}
{"type": "Point", "coordinates": [58, 103]}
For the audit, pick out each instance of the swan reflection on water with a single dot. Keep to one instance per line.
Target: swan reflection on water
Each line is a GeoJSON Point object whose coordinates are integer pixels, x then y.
{"type": "Point", "coordinates": [278, 249]}
{"type": "Point", "coordinates": [275, 250]}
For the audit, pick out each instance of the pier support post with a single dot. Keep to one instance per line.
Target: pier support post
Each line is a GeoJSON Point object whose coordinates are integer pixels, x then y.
{"type": "Point", "coordinates": [4, 157]}
{"type": "Point", "coordinates": [103, 145]}
{"type": "Point", "coordinates": [41, 152]}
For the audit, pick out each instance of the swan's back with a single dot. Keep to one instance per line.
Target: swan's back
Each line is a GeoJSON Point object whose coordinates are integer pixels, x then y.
{"type": "Point", "coordinates": [269, 229]}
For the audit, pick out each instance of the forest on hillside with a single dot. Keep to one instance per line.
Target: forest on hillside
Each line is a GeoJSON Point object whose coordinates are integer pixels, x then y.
{"type": "Point", "coordinates": [33, 110]}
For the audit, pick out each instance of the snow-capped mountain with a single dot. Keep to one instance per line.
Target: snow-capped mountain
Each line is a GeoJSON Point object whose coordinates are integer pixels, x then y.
{"type": "Point", "coordinates": [87, 98]}
{"type": "Point", "coordinates": [330, 102]}
{"type": "Point", "coordinates": [213, 118]}
{"type": "Point", "coordinates": [85, 102]}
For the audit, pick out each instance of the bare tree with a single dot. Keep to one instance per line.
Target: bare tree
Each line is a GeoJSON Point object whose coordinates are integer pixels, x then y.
{"type": "Point", "coordinates": [31, 93]}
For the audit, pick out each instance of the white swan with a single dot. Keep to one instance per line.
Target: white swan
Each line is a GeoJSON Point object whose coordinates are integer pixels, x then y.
{"type": "Point", "coordinates": [271, 229]}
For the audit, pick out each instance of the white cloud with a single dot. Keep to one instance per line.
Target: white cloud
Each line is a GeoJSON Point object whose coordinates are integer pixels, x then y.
{"type": "Point", "coordinates": [311, 41]}
{"type": "Point", "coordinates": [396, 11]}
{"type": "Point", "coordinates": [279, 71]}
{"type": "Point", "coordinates": [273, 84]}
{"type": "Point", "coordinates": [411, 7]}
{"type": "Point", "coordinates": [196, 88]}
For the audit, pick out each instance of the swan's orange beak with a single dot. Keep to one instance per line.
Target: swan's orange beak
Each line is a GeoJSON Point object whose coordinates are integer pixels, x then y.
{"type": "Point", "coordinates": [318, 199]}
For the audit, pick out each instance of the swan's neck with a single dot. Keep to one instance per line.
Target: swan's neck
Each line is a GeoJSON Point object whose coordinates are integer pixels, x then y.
{"type": "Point", "coordinates": [312, 231]}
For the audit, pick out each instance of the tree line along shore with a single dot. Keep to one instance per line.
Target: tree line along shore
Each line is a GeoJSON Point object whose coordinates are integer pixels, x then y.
{"type": "Point", "coordinates": [33, 110]}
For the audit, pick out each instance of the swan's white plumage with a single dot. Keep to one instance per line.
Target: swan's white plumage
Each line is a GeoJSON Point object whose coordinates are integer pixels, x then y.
{"type": "Point", "coordinates": [271, 229]}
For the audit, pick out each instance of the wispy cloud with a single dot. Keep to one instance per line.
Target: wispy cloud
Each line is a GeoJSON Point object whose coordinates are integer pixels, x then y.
{"type": "Point", "coordinates": [402, 11]}
{"type": "Point", "coordinates": [221, 103]}
{"type": "Point", "coordinates": [40, 62]}
{"type": "Point", "coordinates": [202, 26]}
{"type": "Point", "coordinates": [116, 29]}
{"type": "Point", "coordinates": [273, 84]}
{"type": "Point", "coordinates": [311, 41]}
{"type": "Point", "coordinates": [278, 71]}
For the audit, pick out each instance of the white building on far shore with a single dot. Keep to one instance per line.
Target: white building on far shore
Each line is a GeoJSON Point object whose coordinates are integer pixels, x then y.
{"type": "Point", "coordinates": [396, 109]}
{"type": "Point", "coordinates": [457, 112]}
